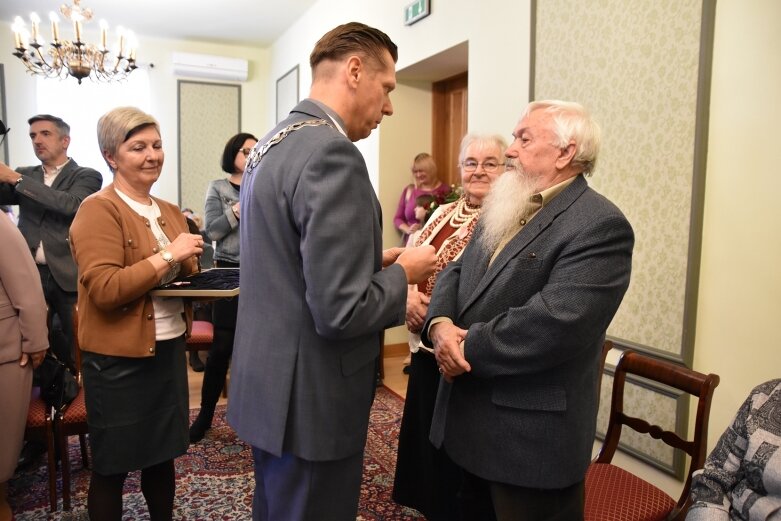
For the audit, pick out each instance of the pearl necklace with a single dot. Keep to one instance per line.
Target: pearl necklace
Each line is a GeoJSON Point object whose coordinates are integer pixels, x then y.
{"type": "Point", "coordinates": [462, 213]}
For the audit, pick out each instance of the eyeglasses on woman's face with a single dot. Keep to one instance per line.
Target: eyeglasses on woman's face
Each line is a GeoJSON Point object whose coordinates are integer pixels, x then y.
{"type": "Point", "coordinates": [245, 151]}
{"type": "Point", "coordinates": [489, 165]}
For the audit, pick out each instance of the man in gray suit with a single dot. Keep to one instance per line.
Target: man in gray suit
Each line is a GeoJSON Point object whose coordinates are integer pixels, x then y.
{"type": "Point", "coordinates": [518, 324]}
{"type": "Point", "coordinates": [48, 196]}
{"type": "Point", "coordinates": [316, 288]}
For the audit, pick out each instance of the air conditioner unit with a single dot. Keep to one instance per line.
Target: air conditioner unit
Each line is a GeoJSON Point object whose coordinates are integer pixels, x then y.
{"type": "Point", "coordinates": [207, 66]}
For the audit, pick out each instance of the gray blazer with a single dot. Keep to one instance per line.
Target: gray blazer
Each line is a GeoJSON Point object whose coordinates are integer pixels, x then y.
{"type": "Point", "coordinates": [314, 296]}
{"type": "Point", "coordinates": [46, 213]}
{"type": "Point", "coordinates": [526, 413]}
{"type": "Point", "coordinates": [221, 224]}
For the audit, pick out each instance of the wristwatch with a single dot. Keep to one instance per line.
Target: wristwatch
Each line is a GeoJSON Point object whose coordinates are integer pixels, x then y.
{"type": "Point", "coordinates": [167, 256]}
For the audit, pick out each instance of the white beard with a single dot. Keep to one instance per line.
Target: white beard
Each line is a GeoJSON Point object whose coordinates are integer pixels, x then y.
{"type": "Point", "coordinates": [505, 205]}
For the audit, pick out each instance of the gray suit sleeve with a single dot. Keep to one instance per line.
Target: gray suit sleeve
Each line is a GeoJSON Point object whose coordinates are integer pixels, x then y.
{"type": "Point", "coordinates": [65, 201]}
{"type": "Point", "coordinates": [347, 291]}
{"type": "Point", "coordinates": [219, 222]}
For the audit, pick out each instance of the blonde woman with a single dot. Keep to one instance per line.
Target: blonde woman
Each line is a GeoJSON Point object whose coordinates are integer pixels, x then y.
{"type": "Point", "coordinates": [126, 243]}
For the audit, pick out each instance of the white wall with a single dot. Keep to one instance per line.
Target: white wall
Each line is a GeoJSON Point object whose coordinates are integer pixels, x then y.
{"type": "Point", "coordinates": [738, 335]}
{"type": "Point", "coordinates": [498, 36]}
{"type": "Point", "coordinates": [21, 102]}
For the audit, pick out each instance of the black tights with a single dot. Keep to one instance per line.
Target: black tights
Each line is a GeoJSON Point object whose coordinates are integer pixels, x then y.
{"type": "Point", "coordinates": [224, 319]}
{"type": "Point", "coordinates": [158, 485]}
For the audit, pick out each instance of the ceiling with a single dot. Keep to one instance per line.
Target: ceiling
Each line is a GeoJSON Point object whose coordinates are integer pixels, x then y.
{"type": "Point", "coordinates": [247, 22]}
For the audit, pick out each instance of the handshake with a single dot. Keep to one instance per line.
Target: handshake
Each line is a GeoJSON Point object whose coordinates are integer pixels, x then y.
{"type": "Point", "coordinates": [418, 262]}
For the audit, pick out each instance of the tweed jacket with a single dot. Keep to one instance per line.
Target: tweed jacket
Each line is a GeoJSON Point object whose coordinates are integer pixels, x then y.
{"type": "Point", "coordinates": [22, 306]}
{"type": "Point", "coordinates": [46, 213]}
{"type": "Point", "coordinates": [221, 224]}
{"type": "Point", "coordinates": [314, 296]}
{"type": "Point", "coordinates": [536, 320]}
{"type": "Point", "coordinates": [110, 243]}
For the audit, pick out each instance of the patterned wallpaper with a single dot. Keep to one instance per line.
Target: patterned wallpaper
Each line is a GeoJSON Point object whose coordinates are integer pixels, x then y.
{"type": "Point", "coordinates": [634, 64]}
{"type": "Point", "coordinates": [209, 114]}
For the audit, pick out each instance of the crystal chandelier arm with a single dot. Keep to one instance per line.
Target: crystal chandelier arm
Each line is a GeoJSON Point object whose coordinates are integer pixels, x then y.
{"type": "Point", "coordinates": [77, 58]}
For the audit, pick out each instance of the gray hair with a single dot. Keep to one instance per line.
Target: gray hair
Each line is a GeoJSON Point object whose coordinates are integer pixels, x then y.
{"type": "Point", "coordinates": [572, 122]}
{"type": "Point", "coordinates": [63, 128]}
{"type": "Point", "coordinates": [118, 125]}
{"type": "Point", "coordinates": [483, 141]}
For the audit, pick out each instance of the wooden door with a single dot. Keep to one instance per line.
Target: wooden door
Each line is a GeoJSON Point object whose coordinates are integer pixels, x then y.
{"type": "Point", "coordinates": [449, 113]}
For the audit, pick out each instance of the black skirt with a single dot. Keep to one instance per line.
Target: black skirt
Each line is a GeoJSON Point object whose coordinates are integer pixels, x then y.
{"type": "Point", "coordinates": [426, 478]}
{"type": "Point", "coordinates": [137, 408]}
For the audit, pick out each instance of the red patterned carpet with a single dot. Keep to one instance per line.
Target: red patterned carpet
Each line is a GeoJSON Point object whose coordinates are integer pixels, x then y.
{"type": "Point", "coordinates": [214, 479]}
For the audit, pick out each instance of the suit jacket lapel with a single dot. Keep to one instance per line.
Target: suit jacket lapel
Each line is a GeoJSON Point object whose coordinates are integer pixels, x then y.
{"type": "Point", "coordinates": [65, 173]}
{"type": "Point", "coordinates": [37, 173]}
{"type": "Point", "coordinates": [536, 226]}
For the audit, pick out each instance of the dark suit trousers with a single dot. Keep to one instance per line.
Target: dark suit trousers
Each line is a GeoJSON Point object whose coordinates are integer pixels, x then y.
{"type": "Point", "coordinates": [292, 489]}
{"type": "Point", "coordinates": [488, 500]}
{"type": "Point", "coordinates": [61, 302]}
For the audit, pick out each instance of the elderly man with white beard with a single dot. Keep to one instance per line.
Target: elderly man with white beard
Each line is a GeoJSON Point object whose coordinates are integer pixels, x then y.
{"type": "Point", "coordinates": [518, 324]}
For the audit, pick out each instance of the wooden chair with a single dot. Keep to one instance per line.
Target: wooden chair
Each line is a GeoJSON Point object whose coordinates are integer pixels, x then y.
{"type": "Point", "coordinates": [72, 421]}
{"type": "Point", "coordinates": [39, 428]}
{"type": "Point", "coordinates": [201, 337]}
{"type": "Point", "coordinates": [615, 494]}
{"type": "Point", "coordinates": [606, 348]}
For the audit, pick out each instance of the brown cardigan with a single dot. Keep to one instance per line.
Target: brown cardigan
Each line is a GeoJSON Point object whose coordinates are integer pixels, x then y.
{"type": "Point", "coordinates": [110, 244]}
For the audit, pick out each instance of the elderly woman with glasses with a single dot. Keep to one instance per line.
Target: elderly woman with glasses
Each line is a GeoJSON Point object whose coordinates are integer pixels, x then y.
{"type": "Point", "coordinates": [222, 226]}
{"type": "Point", "coordinates": [126, 243]}
{"type": "Point", "coordinates": [426, 479]}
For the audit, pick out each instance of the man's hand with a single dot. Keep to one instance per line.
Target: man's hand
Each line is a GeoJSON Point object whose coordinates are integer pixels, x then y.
{"type": "Point", "coordinates": [417, 305]}
{"type": "Point", "coordinates": [447, 339]}
{"type": "Point", "coordinates": [418, 263]}
{"type": "Point", "coordinates": [8, 175]}
{"type": "Point", "coordinates": [390, 255]}
{"type": "Point", "coordinates": [36, 358]}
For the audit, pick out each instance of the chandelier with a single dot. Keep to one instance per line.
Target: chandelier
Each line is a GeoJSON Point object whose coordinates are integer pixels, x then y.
{"type": "Point", "coordinates": [77, 58]}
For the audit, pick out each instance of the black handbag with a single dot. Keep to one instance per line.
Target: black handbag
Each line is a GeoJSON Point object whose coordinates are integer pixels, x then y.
{"type": "Point", "coordinates": [58, 385]}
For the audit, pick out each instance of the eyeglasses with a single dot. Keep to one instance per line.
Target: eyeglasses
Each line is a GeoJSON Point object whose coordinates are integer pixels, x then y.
{"type": "Point", "coordinates": [490, 166]}
{"type": "Point", "coordinates": [245, 151]}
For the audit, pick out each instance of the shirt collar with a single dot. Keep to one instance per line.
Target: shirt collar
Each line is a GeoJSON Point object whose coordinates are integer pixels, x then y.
{"type": "Point", "coordinates": [57, 169]}
{"type": "Point", "coordinates": [546, 196]}
{"type": "Point", "coordinates": [336, 120]}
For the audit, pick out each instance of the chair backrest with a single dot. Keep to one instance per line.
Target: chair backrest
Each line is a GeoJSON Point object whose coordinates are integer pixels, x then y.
{"type": "Point", "coordinates": [672, 375]}
{"type": "Point", "coordinates": [606, 348]}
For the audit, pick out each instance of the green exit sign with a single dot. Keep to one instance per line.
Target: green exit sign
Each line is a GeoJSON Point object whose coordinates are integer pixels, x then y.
{"type": "Point", "coordinates": [416, 11]}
